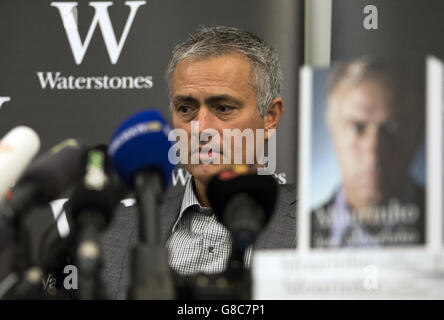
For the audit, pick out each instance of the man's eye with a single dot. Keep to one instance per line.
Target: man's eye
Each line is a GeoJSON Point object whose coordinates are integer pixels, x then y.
{"type": "Point", "coordinates": [225, 109]}
{"type": "Point", "coordinates": [184, 109]}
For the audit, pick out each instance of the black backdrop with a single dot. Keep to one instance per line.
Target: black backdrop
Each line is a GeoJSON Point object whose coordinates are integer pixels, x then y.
{"type": "Point", "coordinates": [404, 26]}
{"type": "Point", "coordinates": [33, 40]}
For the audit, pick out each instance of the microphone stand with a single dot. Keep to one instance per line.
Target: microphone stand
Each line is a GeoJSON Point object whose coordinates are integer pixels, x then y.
{"type": "Point", "coordinates": [242, 218]}
{"type": "Point", "coordinates": [150, 278]}
{"type": "Point", "coordinates": [89, 256]}
{"type": "Point", "coordinates": [27, 278]}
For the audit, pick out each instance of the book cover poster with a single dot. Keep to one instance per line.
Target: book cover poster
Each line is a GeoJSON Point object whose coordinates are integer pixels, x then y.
{"type": "Point", "coordinates": [367, 168]}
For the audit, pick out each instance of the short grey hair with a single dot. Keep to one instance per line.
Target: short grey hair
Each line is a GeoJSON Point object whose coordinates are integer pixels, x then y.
{"type": "Point", "coordinates": [217, 41]}
{"type": "Point", "coordinates": [404, 73]}
{"type": "Point", "coordinates": [405, 78]}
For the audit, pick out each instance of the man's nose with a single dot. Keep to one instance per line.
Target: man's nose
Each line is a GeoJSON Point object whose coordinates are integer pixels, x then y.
{"type": "Point", "coordinates": [373, 146]}
{"type": "Point", "coordinates": [206, 119]}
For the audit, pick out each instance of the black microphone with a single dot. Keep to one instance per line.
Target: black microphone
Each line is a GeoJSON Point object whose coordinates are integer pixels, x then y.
{"type": "Point", "coordinates": [96, 191]}
{"type": "Point", "coordinates": [44, 179]}
{"type": "Point", "coordinates": [42, 182]}
{"type": "Point", "coordinates": [242, 201]}
{"type": "Point", "coordinates": [92, 205]}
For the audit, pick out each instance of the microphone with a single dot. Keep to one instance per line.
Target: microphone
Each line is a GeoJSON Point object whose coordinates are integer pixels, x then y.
{"type": "Point", "coordinates": [43, 181]}
{"type": "Point", "coordinates": [17, 148]}
{"type": "Point", "coordinates": [96, 191]}
{"type": "Point", "coordinates": [243, 201]}
{"type": "Point", "coordinates": [139, 151]}
{"type": "Point", "coordinates": [45, 178]}
{"type": "Point", "coordinates": [141, 144]}
{"type": "Point", "coordinates": [92, 205]}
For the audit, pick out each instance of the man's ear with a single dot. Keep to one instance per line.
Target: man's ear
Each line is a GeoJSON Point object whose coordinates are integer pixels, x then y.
{"type": "Point", "coordinates": [273, 115]}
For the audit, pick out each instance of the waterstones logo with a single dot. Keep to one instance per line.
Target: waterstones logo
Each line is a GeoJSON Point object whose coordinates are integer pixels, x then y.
{"type": "Point", "coordinates": [57, 81]}
{"type": "Point", "coordinates": [114, 45]}
{"type": "Point", "coordinates": [68, 14]}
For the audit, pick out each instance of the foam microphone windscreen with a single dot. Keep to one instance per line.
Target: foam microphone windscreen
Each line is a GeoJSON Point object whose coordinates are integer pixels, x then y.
{"type": "Point", "coordinates": [141, 144]}
{"type": "Point", "coordinates": [17, 148]}
{"type": "Point", "coordinates": [224, 186]}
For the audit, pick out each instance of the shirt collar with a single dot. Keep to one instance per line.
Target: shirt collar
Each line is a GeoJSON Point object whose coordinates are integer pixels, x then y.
{"type": "Point", "coordinates": [189, 199]}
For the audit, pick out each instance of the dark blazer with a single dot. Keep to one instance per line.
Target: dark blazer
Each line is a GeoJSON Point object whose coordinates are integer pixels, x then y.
{"type": "Point", "coordinates": [122, 235]}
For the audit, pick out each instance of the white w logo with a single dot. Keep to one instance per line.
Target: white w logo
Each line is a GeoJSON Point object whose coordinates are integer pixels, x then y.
{"type": "Point", "coordinates": [101, 17]}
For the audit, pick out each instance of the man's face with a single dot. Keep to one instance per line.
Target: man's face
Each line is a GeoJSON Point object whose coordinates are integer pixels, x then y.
{"type": "Point", "coordinates": [375, 137]}
{"type": "Point", "coordinates": [218, 93]}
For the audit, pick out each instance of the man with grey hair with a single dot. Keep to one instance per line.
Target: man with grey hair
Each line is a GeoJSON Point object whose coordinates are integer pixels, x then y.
{"type": "Point", "coordinates": [375, 117]}
{"type": "Point", "coordinates": [224, 78]}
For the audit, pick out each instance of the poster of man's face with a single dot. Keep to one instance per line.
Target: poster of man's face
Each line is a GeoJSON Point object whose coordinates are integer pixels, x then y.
{"type": "Point", "coordinates": [367, 154]}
